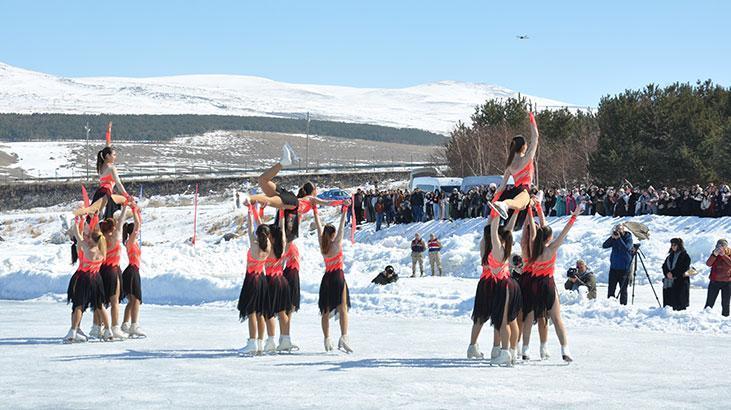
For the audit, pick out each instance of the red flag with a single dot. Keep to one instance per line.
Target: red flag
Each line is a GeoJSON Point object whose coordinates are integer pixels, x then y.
{"type": "Point", "coordinates": [109, 133]}
{"type": "Point", "coordinates": [85, 196]}
{"type": "Point", "coordinates": [530, 116]}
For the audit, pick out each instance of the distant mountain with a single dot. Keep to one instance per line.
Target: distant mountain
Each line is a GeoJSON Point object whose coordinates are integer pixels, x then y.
{"type": "Point", "coordinates": [434, 107]}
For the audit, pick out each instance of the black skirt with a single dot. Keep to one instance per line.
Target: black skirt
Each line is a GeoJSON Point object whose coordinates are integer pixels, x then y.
{"type": "Point", "coordinates": [293, 278]}
{"type": "Point", "coordinates": [131, 284]}
{"type": "Point", "coordinates": [543, 294]}
{"type": "Point", "coordinates": [509, 289]}
{"type": "Point", "coordinates": [86, 290]}
{"type": "Point", "coordinates": [111, 207]}
{"type": "Point", "coordinates": [278, 297]}
{"type": "Point", "coordinates": [253, 295]}
{"type": "Point", "coordinates": [331, 292]}
{"type": "Point", "coordinates": [510, 194]}
{"type": "Point", "coordinates": [111, 278]}
{"type": "Point", "coordinates": [525, 282]}
{"type": "Point", "coordinates": [482, 310]}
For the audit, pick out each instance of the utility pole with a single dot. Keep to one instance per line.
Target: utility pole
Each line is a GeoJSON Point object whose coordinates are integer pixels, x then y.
{"type": "Point", "coordinates": [86, 154]}
{"type": "Point", "coordinates": [307, 143]}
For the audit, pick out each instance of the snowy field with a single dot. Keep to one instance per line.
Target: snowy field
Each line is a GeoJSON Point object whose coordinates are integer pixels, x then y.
{"type": "Point", "coordinates": [410, 337]}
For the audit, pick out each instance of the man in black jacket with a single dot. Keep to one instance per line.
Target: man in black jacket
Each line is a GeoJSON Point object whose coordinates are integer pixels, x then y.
{"type": "Point", "coordinates": [417, 205]}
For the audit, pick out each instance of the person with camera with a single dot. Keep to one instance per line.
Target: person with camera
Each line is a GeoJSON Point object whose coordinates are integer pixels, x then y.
{"type": "Point", "coordinates": [720, 263]}
{"type": "Point", "coordinates": [620, 262]}
{"type": "Point", "coordinates": [675, 283]}
{"type": "Point", "coordinates": [417, 255]}
{"type": "Point", "coordinates": [388, 275]}
{"type": "Point", "coordinates": [581, 276]}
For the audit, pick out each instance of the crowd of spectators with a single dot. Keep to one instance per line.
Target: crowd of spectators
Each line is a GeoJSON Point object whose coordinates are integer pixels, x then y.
{"type": "Point", "coordinates": [403, 206]}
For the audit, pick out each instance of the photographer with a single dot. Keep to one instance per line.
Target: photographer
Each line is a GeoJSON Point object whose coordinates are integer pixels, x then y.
{"type": "Point", "coordinates": [675, 284]}
{"type": "Point", "coordinates": [720, 263]}
{"type": "Point", "coordinates": [581, 276]}
{"type": "Point", "coordinates": [387, 276]}
{"type": "Point", "coordinates": [620, 261]}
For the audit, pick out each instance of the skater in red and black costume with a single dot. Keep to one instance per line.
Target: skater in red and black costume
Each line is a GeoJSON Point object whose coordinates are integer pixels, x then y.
{"type": "Point", "coordinates": [291, 273]}
{"type": "Point", "coordinates": [86, 289]}
{"type": "Point", "coordinates": [498, 296]}
{"type": "Point", "coordinates": [526, 320]}
{"type": "Point", "coordinates": [131, 283]}
{"type": "Point", "coordinates": [521, 166]}
{"type": "Point", "coordinates": [334, 297]}
{"type": "Point", "coordinates": [110, 271]}
{"type": "Point", "coordinates": [253, 295]}
{"type": "Point", "coordinates": [546, 302]}
{"type": "Point", "coordinates": [279, 298]}
{"type": "Point", "coordinates": [104, 199]}
{"type": "Point", "coordinates": [273, 195]}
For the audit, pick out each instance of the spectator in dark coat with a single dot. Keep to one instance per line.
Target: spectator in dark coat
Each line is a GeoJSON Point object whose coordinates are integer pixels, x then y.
{"type": "Point", "coordinates": [620, 262]}
{"type": "Point", "coordinates": [676, 286]}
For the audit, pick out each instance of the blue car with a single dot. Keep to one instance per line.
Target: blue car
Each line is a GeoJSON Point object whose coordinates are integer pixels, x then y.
{"type": "Point", "coordinates": [334, 194]}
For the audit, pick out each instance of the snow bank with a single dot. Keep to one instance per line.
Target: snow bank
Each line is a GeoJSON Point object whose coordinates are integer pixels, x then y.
{"type": "Point", "coordinates": [174, 272]}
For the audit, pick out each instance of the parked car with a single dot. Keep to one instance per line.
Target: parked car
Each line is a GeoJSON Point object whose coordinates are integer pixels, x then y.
{"type": "Point", "coordinates": [334, 194]}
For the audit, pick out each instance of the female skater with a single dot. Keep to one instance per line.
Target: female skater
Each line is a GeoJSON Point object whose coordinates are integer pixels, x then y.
{"type": "Point", "coordinates": [131, 283]}
{"type": "Point", "coordinates": [291, 273]}
{"type": "Point", "coordinates": [279, 299]}
{"type": "Point", "coordinates": [485, 293]}
{"type": "Point", "coordinates": [110, 272]}
{"type": "Point", "coordinates": [86, 288]}
{"type": "Point", "coordinates": [253, 291]}
{"type": "Point", "coordinates": [334, 295]}
{"type": "Point", "coordinates": [104, 197]}
{"type": "Point", "coordinates": [525, 321]}
{"type": "Point", "coordinates": [543, 287]}
{"type": "Point", "coordinates": [276, 196]}
{"type": "Point", "coordinates": [522, 169]}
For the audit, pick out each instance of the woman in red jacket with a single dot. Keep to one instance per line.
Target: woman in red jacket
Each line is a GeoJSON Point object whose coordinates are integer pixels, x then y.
{"type": "Point", "coordinates": [720, 263]}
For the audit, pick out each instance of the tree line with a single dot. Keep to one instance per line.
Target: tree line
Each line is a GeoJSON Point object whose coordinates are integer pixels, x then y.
{"type": "Point", "coordinates": [655, 135]}
{"type": "Point", "coordinates": [29, 127]}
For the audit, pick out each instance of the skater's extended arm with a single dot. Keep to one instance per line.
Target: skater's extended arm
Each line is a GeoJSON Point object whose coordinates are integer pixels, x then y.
{"type": "Point", "coordinates": [317, 201]}
{"type": "Point", "coordinates": [318, 225]}
{"type": "Point", "coordinates": [250, 228]}
{"type": "Point", "coordinates": [533, 146]}
{"type": "Point", "coordinates": [118, 182]}
{"type": "Point", "coordinates": [137, 227]}
{"type": "Point", "coordinates": [565, 232]}
{"type": "Point", "coordinates": [511, 222]}
{"type": "Point", "coordinates": [341, 228]}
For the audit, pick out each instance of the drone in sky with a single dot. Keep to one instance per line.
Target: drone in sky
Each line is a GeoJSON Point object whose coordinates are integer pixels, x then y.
{"type": "Point", "coordinates": [522, 37]}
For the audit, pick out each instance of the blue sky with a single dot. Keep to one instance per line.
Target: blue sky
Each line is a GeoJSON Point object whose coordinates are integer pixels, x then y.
{"type": "Point", "coordinates": [577, 51]}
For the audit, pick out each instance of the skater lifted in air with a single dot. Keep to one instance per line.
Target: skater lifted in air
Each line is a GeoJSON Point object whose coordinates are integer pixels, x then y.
{"type": "Point", "coordinates": [104, 198]}
{"type": "Point", "coordinates": [277, 197]}
{"type": "Point", "coordinates": [334, 295]}
{"type": "Point", "coordinates": [522, 167]}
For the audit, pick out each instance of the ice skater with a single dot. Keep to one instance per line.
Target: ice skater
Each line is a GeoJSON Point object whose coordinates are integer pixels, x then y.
{"type": "Point", "coordinates": [253, 292]}
{"type": "Point", "coordinates": [110, 271]}
{"type": "Point", "coordinates": [86, 289]}
{"type": "Point", "coordinates": [104, 197]}
{"type": "Point", "coordinates": [521, 166]}
{"type": "Point", "coordinates": [334, 295]}
{"type": "Point", "coordinates": [131, 283]}
{"type": "Point", "coordinates": [279, 298]}
{"type": "Point", "coordinates": [291, 273]}
{"type": "Point", "coordinates": [546, 302]}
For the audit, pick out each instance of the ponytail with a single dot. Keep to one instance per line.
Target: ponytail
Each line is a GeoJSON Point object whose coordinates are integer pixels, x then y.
{"type": "Point", "coordinates": [487, 240]}
{"type": "Point", "coordinates": [326, 240]}
{"type": "Point", "coordinates": [262, 235]}
{"type": "Point", "coordinates": [539, 244]}
{"type": "Point", "coordinates": [277, 243]}
{"type": "Point", "coordinates": [515, 146]}
{"type": "Point", "coordinates": [506, 238]}
{"type": "Point", "coordinates": [74, 251]}
{"type": "Point", "coordinates": [101, 156]}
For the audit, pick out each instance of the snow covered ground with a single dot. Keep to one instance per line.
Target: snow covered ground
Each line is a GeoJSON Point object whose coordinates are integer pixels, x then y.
{"type": "Point", "coordinates": [190, 360]}
{"type": "Point", "coordinates": [435, 106]}
{"type": "Point", "coordinates": [410, 337]}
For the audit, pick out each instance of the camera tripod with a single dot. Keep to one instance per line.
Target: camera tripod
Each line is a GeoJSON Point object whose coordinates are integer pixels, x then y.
{"type": "Point", "coordinates": [637, 255]}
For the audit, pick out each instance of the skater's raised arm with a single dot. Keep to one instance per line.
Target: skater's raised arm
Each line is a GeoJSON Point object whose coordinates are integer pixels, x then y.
{"type": "Point", "coordinates": [341, 228]}
{"type": "Point", "coordinates": [75, 232]}
{"type": "Point", "coordinates": [318, 225]}
{"type": "Point", "coordinates": [533, 146]}
{"type": "Point", "coordinates": [511, 222]}
{"type": "Point", "coordinates": [250, 227]}
{"type": "Point", "coordinates": [138, 223]}
{"type": "Point", "coordinates": [497, 249]}
{"type": "Point", "coordinates": [553, 247]}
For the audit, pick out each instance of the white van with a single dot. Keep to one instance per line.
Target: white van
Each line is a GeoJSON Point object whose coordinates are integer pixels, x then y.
{"type": "Point", "coordinates": [483, 180]}
{"type": "Point", "coordinates": [430, 184]}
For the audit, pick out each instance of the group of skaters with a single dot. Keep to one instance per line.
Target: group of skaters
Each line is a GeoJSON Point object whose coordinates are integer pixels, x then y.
{"type": "Point", "coordinates": [271, 289]}
{"type": "Point", "coordinates": [514, 306]}
{"type": "Point", "coordinates": [106, 224]}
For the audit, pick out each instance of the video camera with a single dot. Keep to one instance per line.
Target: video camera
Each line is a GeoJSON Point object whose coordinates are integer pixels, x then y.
{"type": "Point", "coordinates": [572, 272]}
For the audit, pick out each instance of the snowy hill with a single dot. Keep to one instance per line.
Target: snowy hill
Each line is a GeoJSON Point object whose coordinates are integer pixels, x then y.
{"type": "Point", "coordinates": [435, 106]}
{"type": "Point", "coordinates": [36, 262]}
